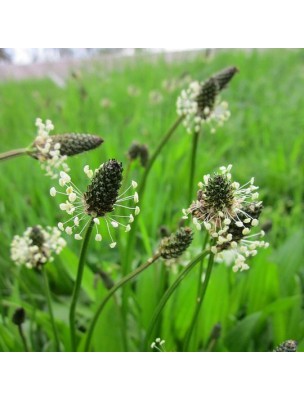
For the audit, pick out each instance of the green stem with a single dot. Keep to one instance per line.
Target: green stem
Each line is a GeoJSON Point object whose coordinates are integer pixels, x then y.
{"type": "Point", "coordinates": [168, 294]}
{"type": "Point", "coordinates": [157, 151]}
{"type": "Point", "coordinates": [13, 153]}
{"type": "Point", "coordinates": [23, 338]}
{"type": "Point", "coordinates": [195, 138]}
{"type": "Point", "coordinates": [141, 190]}
{"type": "Point", "coordinates": [110, 293]}
{"type": "Point", "coordinates": [77, 285]}
{"type": "Point", "coordinates": [49, 301]}
{"type": "Point", "coordinates": [200, 300]}
{"type": "Point", "coordinates": [201, 267]}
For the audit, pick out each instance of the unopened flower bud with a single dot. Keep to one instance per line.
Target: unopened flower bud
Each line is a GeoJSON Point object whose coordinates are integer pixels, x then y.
{"type": "Point", "coordinates": [137, 150]}
{"type": "Point", "coordinates": [75, 143]}
{"type": "Point", "coordinates": [19, 316]}
{"type": "Point", "coordinates": [174, 245]}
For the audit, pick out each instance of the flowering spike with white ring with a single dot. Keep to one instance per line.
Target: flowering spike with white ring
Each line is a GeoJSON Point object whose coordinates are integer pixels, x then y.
{"type": "Point", "coordinates": [101, 202]}
{"type": "Point", "coordinates": [226, 210]}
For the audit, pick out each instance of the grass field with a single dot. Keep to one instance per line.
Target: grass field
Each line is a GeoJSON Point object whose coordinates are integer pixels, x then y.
{"type": "Point", "coordinates": [264, 138]}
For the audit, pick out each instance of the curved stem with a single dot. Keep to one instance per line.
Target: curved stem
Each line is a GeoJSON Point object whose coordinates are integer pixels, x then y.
{"type": "Point", "coordinates": [23, 338]}
{"type": "Point", "coordinates": [201, 267]}
{"type": "Point", "coordinates": [77, 285]}
{"type": "Point", "coordinates": [122, 282]}
{"type": "Point", "coordinates": [193, 164]}
{"type": "Point", "coordinates": [200, 300]}
{"type": "Point", "coordinates": [158, 149]}
{"type": "Point", "coordinates": [141, 190]}
{"type": "Point", "coordinates": [49, 301]}
{"type": "Point", "coordinates": [13, 153]}
{"type": "Point", "coordinates": [169, 293]}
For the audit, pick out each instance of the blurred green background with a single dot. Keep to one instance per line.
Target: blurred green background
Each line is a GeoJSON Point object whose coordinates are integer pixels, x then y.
{"type": "Point", "coordinates": [264, 138]}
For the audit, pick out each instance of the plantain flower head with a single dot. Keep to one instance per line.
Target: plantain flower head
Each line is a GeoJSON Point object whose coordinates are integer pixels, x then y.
{"type": "Point", "coordinates": [36, 246]}
{"type": "Point", "coordinates": [52, 150]}
{"type": "Point", "coordinates": [229, 212]}
{"type": "Point", "coordinates": [99, 202]}
{"type": "Point", "coordinates": [200, 104]}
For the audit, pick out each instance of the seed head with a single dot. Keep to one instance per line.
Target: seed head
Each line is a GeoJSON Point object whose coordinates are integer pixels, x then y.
{"type": "Point", "coordinates": [18, 316]}
{"type": "Point", "coordinates": [102, 193]}
{"type": "Point", "coordinates": [175, 245]}
{"type": "Point", "coordinates": [75, 143]}
{"type": "Point", "coordinates": [287, 346]}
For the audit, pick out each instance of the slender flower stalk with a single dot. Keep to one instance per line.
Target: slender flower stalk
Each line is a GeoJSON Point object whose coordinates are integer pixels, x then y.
{"type": "Point", "coordinates": [126, 266]}
{"type": "Point", "coordinates": [110, 293]}
{"type": "Point", "coordinates": [170, 247]}
{"type": "Point", "coordinates": [49, 301]}
{"type": "Point", "coordinates": [13, 153]}
{"type": "Point", "coordinates": [195, 140]}
{"type": "Point", "coordinates": [200, 299]}
{"type": "Point", "coordinates": [142, 185]}
{"type": "Point", "coordinates": [157, 151]}
{"type": "Point", "coordinates": [169, 293]}
{"type": "Point", "coordinates": [77, 286]}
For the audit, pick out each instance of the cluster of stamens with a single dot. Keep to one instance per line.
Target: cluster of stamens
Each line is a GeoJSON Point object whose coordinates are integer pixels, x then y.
{"type": "Point", "coordinates": [98, 203]}
{"type": "Point", "coordinates": [158, 345]}
{"type": "Point", "coordinates": [200, 104]}
{"type": "Point", "coordinates": [228, 211]}
{"type": "Point", "coordinates": [36, 246]}
{"type": "Point", "coordinates": [48, 153]}
{"type": "Point", "coordinates": [196, 114]}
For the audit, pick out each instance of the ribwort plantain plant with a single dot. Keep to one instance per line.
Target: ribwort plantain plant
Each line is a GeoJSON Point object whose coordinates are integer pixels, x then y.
{"type": "Point", "coordinates": [98, 203]}
{"type": "Point", "coordinates": [225, 214]}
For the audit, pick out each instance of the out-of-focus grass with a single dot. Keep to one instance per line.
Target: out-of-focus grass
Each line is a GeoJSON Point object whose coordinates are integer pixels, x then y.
{"type": "Point", "coordinates": [263, 138]}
